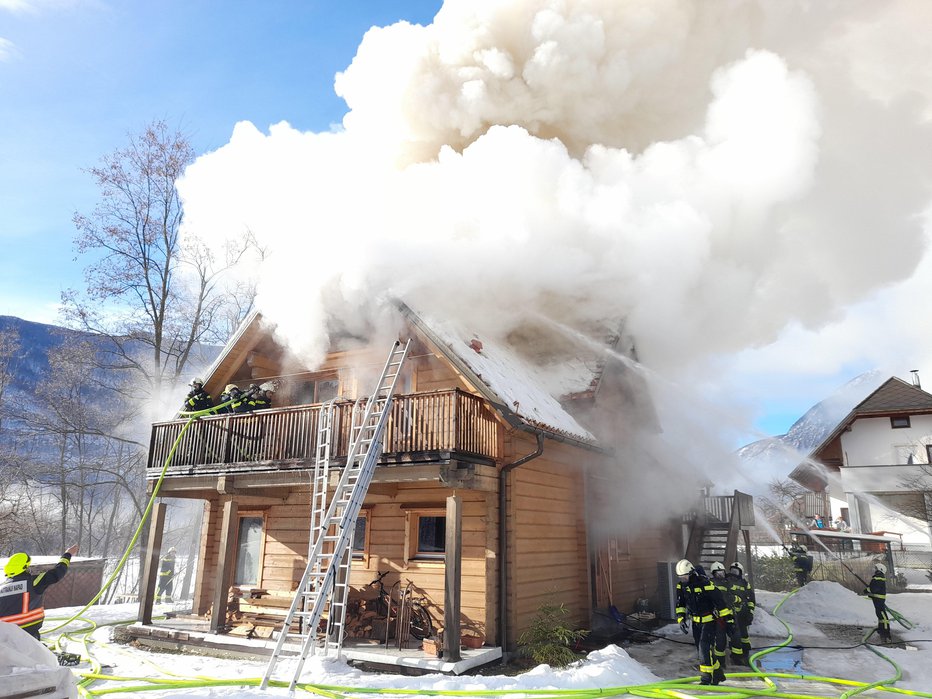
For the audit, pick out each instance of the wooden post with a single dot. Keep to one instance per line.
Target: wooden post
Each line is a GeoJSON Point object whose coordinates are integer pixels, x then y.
{"type": "Point", "coordinates": [225, 563]}
{"type": "Point", "coordinates": [150, 563]}
{"type": "Point", "coordinates": [453, 559]}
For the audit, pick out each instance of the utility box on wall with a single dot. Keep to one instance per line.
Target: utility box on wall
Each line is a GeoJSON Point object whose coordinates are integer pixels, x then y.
{"type": "Point", "coordinates": [666, 592]}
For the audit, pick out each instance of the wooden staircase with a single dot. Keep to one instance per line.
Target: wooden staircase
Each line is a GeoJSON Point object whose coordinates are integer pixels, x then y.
{"type": "Point", "coordinates": [716, 528]}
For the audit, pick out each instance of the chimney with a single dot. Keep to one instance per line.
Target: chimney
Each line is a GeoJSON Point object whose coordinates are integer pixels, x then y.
{"type": "Point", "coordinates": [915, 373]}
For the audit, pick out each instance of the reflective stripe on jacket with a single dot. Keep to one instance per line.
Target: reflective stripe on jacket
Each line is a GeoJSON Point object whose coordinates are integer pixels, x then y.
{"type": "Point", "coordinates": [21, 595]}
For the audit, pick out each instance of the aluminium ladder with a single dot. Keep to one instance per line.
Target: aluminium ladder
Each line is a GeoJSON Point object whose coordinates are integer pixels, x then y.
{"type": "Point", "coordinates": [325, 582]}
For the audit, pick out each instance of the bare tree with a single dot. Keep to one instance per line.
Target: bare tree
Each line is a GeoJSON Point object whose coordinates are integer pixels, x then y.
{"type": "Point", "coordinates": [9, 350]}
{"type": "Point", "coordinates": [780, 507]}
{"type": "Point", "coordinates": [154, 297]}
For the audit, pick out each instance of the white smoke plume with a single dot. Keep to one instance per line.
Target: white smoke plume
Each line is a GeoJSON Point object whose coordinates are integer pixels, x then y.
{"type": "Point", "coordinates": [713, 172]}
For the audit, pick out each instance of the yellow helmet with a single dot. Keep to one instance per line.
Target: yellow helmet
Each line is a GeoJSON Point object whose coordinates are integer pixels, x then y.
{"type": "Point", "coordinates": [17, 564]}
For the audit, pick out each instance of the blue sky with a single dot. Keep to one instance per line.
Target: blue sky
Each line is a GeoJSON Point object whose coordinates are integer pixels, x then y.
{"type": "Point", "coordinates": [77, 77]}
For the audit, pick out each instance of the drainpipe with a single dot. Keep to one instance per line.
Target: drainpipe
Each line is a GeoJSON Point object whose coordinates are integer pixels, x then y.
{"type": "Point", "coordinates": [503, 539]}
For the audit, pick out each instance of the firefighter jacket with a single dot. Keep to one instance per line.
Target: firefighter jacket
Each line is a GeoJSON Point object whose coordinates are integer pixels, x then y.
{"type": "Point", "coordinates": [167, 566]}
{"type": "Point", "coordinates": [723, 584]}
{"type": "Point", "coordinates": [21, 595]}
{"type": "Point", "coordinates": [701, 600]}
{"type": "Point", "coordinates": [877, 588]}
{"type": "Point", "coordinates": [745, 601]}
{"type": "Point", "coordinates": [197, 399]}
{"type": "Point", "coordinates": [802, 561]}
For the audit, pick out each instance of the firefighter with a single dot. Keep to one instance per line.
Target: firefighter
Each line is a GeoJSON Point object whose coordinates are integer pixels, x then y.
{"type": "Point", "coordinates": [722, 639]}
{"type": "Point", "coordinates": [698, 599]}
{"type": "Point", "coordinates": [231, 393]}
{"type": "Point", "coordinates": [745, 604]}
{"type": "Point", "coordinates": [21, 593]}
{"type": "Point", "coordinates": [262, 399]}
{"type": "Point", "coordinates": [197, 398]}
{"type": "Point", "coordinates": [166, 576]}
{"type": "Point", "coordinates": [877, 591]}
{"type": "Point", "coordinates": [802, 563]}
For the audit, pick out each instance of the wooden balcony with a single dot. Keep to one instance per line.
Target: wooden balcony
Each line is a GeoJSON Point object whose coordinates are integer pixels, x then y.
{"type": "Point", "coordinates": [433, 426]}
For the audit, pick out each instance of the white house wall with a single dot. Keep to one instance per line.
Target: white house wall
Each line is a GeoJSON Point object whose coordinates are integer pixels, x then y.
{"type": "Point", "coordinates": [872, 442]}
{"type": "Point", "coordinates": [876, 461]}
{"type": "Point", "coordinates": [877, 479]}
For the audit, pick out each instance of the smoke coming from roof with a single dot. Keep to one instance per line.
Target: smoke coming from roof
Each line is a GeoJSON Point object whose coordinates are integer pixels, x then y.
{"type": "Point", "coordinates": [712, 172]}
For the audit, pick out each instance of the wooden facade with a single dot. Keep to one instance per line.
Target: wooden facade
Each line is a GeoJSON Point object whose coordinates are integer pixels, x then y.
{"type": "Point", "coordinates": [445, 438]}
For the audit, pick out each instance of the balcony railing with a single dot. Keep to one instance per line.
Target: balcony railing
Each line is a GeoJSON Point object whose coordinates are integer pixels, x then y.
{"type": "Point", "coordinates": [441, 421]}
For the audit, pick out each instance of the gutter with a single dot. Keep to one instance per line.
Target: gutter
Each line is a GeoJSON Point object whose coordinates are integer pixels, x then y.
{"type": "Point", "coordinates": [503, 540]}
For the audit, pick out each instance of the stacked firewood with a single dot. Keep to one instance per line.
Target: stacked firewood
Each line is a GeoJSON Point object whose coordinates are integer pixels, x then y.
{"type": "Point", "coordinates": [362, 621]}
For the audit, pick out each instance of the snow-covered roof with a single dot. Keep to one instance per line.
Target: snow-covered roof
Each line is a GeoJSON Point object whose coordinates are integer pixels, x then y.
{"type": "Point", "coordinates": [529, 377]}
{"type": "Point", "coordinates": [529, 391]}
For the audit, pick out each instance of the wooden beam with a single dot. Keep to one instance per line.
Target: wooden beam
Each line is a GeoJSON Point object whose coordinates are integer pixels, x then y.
{"type": "Point", "coordinates": [229, 485]}
{"type": "Point", "coordinates": [452, 591]}
{"type": "Point", "coordinates": [150, 563]}
{"type": "Point", "coordinates": [224, 565]}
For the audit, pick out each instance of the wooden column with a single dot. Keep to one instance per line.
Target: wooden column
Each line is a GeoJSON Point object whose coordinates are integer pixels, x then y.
{"type": "Point", "coordinates": [225, 565]}
{"type": "Point", "coordinates": [202, 585]}
{"type": "Point", "coordinates": [453, 585]}
{"type": "Point", "coordinates": [150, 563]}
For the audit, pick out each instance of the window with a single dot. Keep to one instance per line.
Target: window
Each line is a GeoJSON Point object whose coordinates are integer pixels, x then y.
{"type": "Point", "coordinates": [361, 537]}
{"type": "Point", "coordinates": [899, 423]}
{"type": "Point", "coordinates": [316, 391]}
{"type": "Point", "coordinates": [431, 536]}
{"type": "Point", "coordinates": [426, 534]}
{"type": "Point", "coordinates": [248, 551]}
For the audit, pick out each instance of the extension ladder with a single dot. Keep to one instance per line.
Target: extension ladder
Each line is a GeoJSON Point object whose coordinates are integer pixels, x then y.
{"type": "Point", "coordinates": [325, 583]}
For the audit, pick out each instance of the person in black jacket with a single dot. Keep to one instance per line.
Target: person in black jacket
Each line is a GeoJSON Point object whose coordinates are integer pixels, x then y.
{"type": "Point", "coordinates": [166, 576]}
{"type": "Point", "coordinates": [802, 563]}
{"type": "Point", "coordinates": [877, 591]}
{"type": "Point", "coordinates": [197, 398]}
{"type": "Point", "coordinates": [231, 393]}
{"type": "Point", "coordinates": [21, 592]}
{"type": "Point", "coordinates": [699, 600]}
{"type": "Point", "coordinates": [744, 605]}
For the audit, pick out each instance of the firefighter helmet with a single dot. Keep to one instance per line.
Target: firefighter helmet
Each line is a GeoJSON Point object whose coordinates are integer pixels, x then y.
{"type": "Point", "coordinates": [880, 568]}
{"type": "Point", "coordinates": [17, 564]}
{"type": "Point", "coordinates": [684, 567]}
{"type": "Point", "coordinates": [230, 387]}
{"type": "Point", "coordinates": [197, 382]}
{"type": "Point", "coordinates": [737, 566]}
{"type": "Point", "coordinates": [717, 567]}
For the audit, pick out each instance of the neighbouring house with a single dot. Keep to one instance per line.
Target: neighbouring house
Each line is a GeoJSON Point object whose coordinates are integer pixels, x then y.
{"type": "Point", "coordinates": [875, 465]}
{"type": "Point", "coordinates": [525, 444]}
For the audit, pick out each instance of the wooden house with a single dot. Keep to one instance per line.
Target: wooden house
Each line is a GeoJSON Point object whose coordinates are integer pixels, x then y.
{"type": "Point", "coordinates": [475, 442]}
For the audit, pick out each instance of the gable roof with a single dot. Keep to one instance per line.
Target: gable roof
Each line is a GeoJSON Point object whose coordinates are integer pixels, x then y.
{"type": "Point", "coordinates": [893, 396]}
{"type": "Point", "coordinates": [525, 392]}
{"type": "Point", "coordinates": [515, 386]}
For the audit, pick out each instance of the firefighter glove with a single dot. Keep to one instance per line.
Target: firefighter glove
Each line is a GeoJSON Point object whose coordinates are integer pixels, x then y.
{"type": "Point", "coordinates": [684, 625]}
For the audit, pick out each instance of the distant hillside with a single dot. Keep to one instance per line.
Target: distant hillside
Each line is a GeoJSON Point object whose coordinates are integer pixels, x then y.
{"type": "Point", "coordinates": [783, 453]}
{"type": "Point", "coordinates": [38, 339]}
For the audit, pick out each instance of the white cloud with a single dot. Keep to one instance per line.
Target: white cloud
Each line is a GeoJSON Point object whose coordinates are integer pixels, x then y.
{"type": "Point", "coordinates": [726, 177]}
{"type": "Point", "coordinates": [8, 50]}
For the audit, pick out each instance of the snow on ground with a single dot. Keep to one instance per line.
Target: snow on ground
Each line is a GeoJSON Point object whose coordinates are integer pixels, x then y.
{"type": "Point", "coordinates": [832, 650]}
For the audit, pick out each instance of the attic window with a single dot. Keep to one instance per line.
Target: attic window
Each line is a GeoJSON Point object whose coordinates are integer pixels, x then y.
{"type": "Point", "coordinates": [899, 423]}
